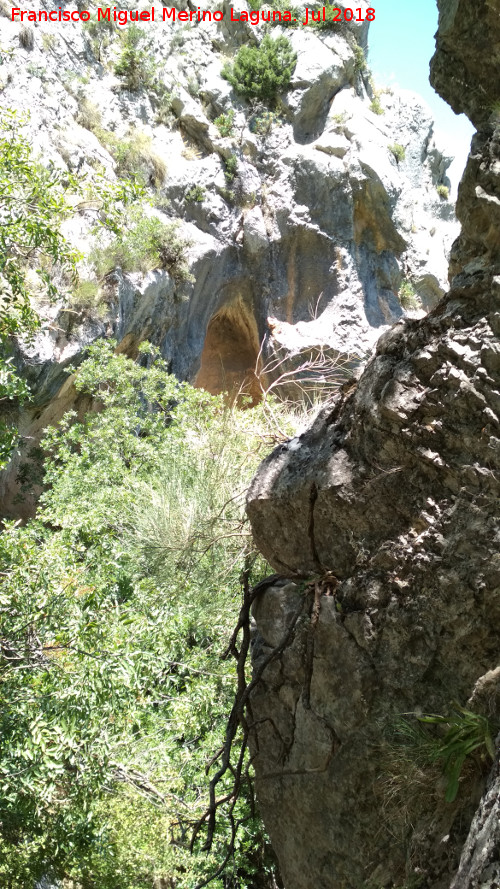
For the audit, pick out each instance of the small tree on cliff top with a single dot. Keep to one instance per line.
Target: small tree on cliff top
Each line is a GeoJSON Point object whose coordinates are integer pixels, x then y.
{"type": "Point", "coordinates": [261, 72]}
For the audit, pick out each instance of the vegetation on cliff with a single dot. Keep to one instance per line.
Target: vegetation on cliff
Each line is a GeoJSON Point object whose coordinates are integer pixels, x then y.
{"type": "Point", "coordinates": [116, 604]}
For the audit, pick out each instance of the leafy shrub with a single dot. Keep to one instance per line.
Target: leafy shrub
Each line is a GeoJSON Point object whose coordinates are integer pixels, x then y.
{"type": "Point", "coordinates": [49, 41]}
{"type": "Point", "coordinates": [340, 119]}
{"type": "Point", "coordinates": [359, 59]}
{"type": "Point", "coordinates": [101, 33]}
{"type": "Point", "coordinates": [134, 65]}
{"type": "Point", "coordinates": [231, 164]}
{"type": "Point", "coordinates": [86, 297]}
{"type": "Point", "coordinates": [196, 193]}
{"type": "Point", "coordinates": [161, 98]}
{"type": "Point", "coordinates": [135, 158]}
{"type": "Point", "coordinates": [261, 72]}
{"type": "Point", "coordinates": [408, 297]}
{"type": "Point", "coordinates": [224, 123]}
{"type": "Point", "coordinates": [449, 741]}
{"type": "Point", "coordinates": [398, 151]}
{"type": "Point", "coordinates": [146, 243]}
{"type": "Point", "coordinates": [296, 14]}
{"type": "Point", "coordinates": [376, 106]}
{"type": "Point", "coordinates": [117, 603]}
{"type": "Point", "coordinates": [328, 24]}
{"type": "Point", "coordinates": [89, 116]}
{"type": "Point", "coordinates": [443, 192]}
{"type": "Point", "coordinates": [465, 734]}
{"type": "Point", "coordinates": [262, 123]}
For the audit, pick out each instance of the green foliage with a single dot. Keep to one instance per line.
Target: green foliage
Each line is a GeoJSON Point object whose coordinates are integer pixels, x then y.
{"type": "Point", "coordinates": [408, 296]}
{"type": "Point", "coordinates": [116, 604]}
{"type": "Point", "coordinates": [195, 193]}
{"type": "Point", "coordinates": [34, 206]}
{"type": "Point", "coordinates": [136, 159]}
{"type": "Point", "coordinates": [36, 200]}
{"type": "Point", "coordinates": [225, 123]}
{"type": "Point", "coordinates": [450, 740]}
{"type": "Point", "coordinates": [328, 24]}
{"type": "Point", "coordinates": [263, 122]}
{"type": "Point", "coordinates": [376, 107]}
{"type": "Point", "coordinates": [134, 64]}
{"type": "Point", "coordinates": [359, 59]}
{"type": "Point", "coordinates": [261, 72]}
{"type": "Point", "coordinates": [12, 390]}
{"type": "Point", "coordinates": [89, 116]}
{"type": "Point", "coordinates": [231, 167]}
{"type": "Point", "coordinates": [340, 119]}
{"type": "Point", "coordinates": [443, 192]}
{"type": "Point", "coordinates": [101, 33]}
{"type": "Point", "coordinates": [296, 14]}
{"type": "Point", "coordinates": [49, 42]}
{"type": "Point", "coordinates": [87, 298]}
{"type": "Point", "coordinates": [398, 152]}
{"type": "Point", "coordinates": [145, 243]}
{"type": "Point", "coordinates": [161, 98]}
{"type": "Point", "coordinates": [465, 734]}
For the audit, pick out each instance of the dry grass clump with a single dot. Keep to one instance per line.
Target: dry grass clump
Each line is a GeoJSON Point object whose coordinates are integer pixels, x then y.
{"type": "Point", "coordinates": [26, 37]}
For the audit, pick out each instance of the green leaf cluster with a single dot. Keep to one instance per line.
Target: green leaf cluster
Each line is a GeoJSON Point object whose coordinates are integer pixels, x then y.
{"type": "Point", "coordinates": [36, 201]}
{"type": "Point", "coordinates": [145, 243]}
{"type": "Point", "coordinates": [116, 604]}
{"type": "Point", "coordinates": [262, 72]}
{"type": "Point", "coordinates": [134, 66]}
{"type": "Point", "coordinates": [465, 733]}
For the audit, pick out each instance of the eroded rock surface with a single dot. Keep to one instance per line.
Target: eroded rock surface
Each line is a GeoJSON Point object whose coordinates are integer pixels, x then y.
{"type": "Point", "coordinates": [305, 247]}
{"type": "Point", "coordinates": [386, 513]}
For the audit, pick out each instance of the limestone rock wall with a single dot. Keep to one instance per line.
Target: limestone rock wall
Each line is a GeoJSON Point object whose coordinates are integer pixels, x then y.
{"type": "Point", "coordinates": [305, 248]}
{"type": "Point", "coordinates": [383, 520]}
{"type": "Point", "coordinates": [320, 224]}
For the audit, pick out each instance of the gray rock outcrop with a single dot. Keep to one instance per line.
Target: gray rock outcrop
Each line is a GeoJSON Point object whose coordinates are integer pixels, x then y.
{"type": "Point", "coordinates": [383, 520]}
{"type": "Point", "coordinates": [305, 247]}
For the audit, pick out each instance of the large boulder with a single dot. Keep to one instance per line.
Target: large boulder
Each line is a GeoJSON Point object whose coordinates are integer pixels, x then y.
{"type": "Point", "coordinates": [383, 521]}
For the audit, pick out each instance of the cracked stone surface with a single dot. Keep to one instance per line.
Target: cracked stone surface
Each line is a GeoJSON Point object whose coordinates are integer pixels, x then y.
{"type": "Point", "coordinates": [394, 492]}
{"type": "Point", "coordinates": [305, 248]}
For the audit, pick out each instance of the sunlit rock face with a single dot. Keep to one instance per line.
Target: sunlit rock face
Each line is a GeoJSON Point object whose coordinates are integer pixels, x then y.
{"type": "Point", "coordinates": [383, 521]}
{"type": "Point", "coordinates": [305, 247]}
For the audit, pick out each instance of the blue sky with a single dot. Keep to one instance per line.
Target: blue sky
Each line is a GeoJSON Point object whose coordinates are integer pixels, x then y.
{"type": "Point", "coordinates": [401, 43]}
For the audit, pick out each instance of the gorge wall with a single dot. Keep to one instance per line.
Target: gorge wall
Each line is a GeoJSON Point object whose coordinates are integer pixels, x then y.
{"type": "Point", "coordinates": [304, 246]}
{"type": "Point", "coordinates": [383, 521]}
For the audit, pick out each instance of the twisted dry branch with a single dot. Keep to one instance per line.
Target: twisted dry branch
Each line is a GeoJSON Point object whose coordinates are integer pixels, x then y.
{"type": "Point", "coordinates": [240, 717]}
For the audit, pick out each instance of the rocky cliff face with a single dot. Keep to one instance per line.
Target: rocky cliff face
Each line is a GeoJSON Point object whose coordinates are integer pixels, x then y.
{"type": "Point", "coordinates": [387, 508]}
{"type": "Point", "coordinates": [304, 245]}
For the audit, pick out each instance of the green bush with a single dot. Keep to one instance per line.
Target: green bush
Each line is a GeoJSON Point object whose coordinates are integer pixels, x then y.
{"type": "Point", "coordinates": [443, 192]}
{"type": "Point", "coordinates": [398, 151]}
{"type": "Point", "coordinates": [225, 123]}
{"type": "Point", "coordinates": [328, 24]}
{"type": "Point", "coordinates": [231, 164]}
{"type": "Point", "coordinates": [359, 59]}
{"type": "Point", "coordinates": [261, 72]}
{"type": "Point", "coordinates": [375, 106]}
{"type": "Point", "coordinates": [134, 65]}
{"type": "Point", "coordinates": [101, 33]}
{"type": "Point", "coordinates": [262, 123]}
{"type": "Point", "coordinates": [408, 297]}
{"type": "Point", "coordinates": [117, 603]}
{"type": "Point", "coordinates": [135, 157]}
{"type": "Point", "coordinates": [146, 243]}
{"type": "Point", "coordinates": [196, 193]}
